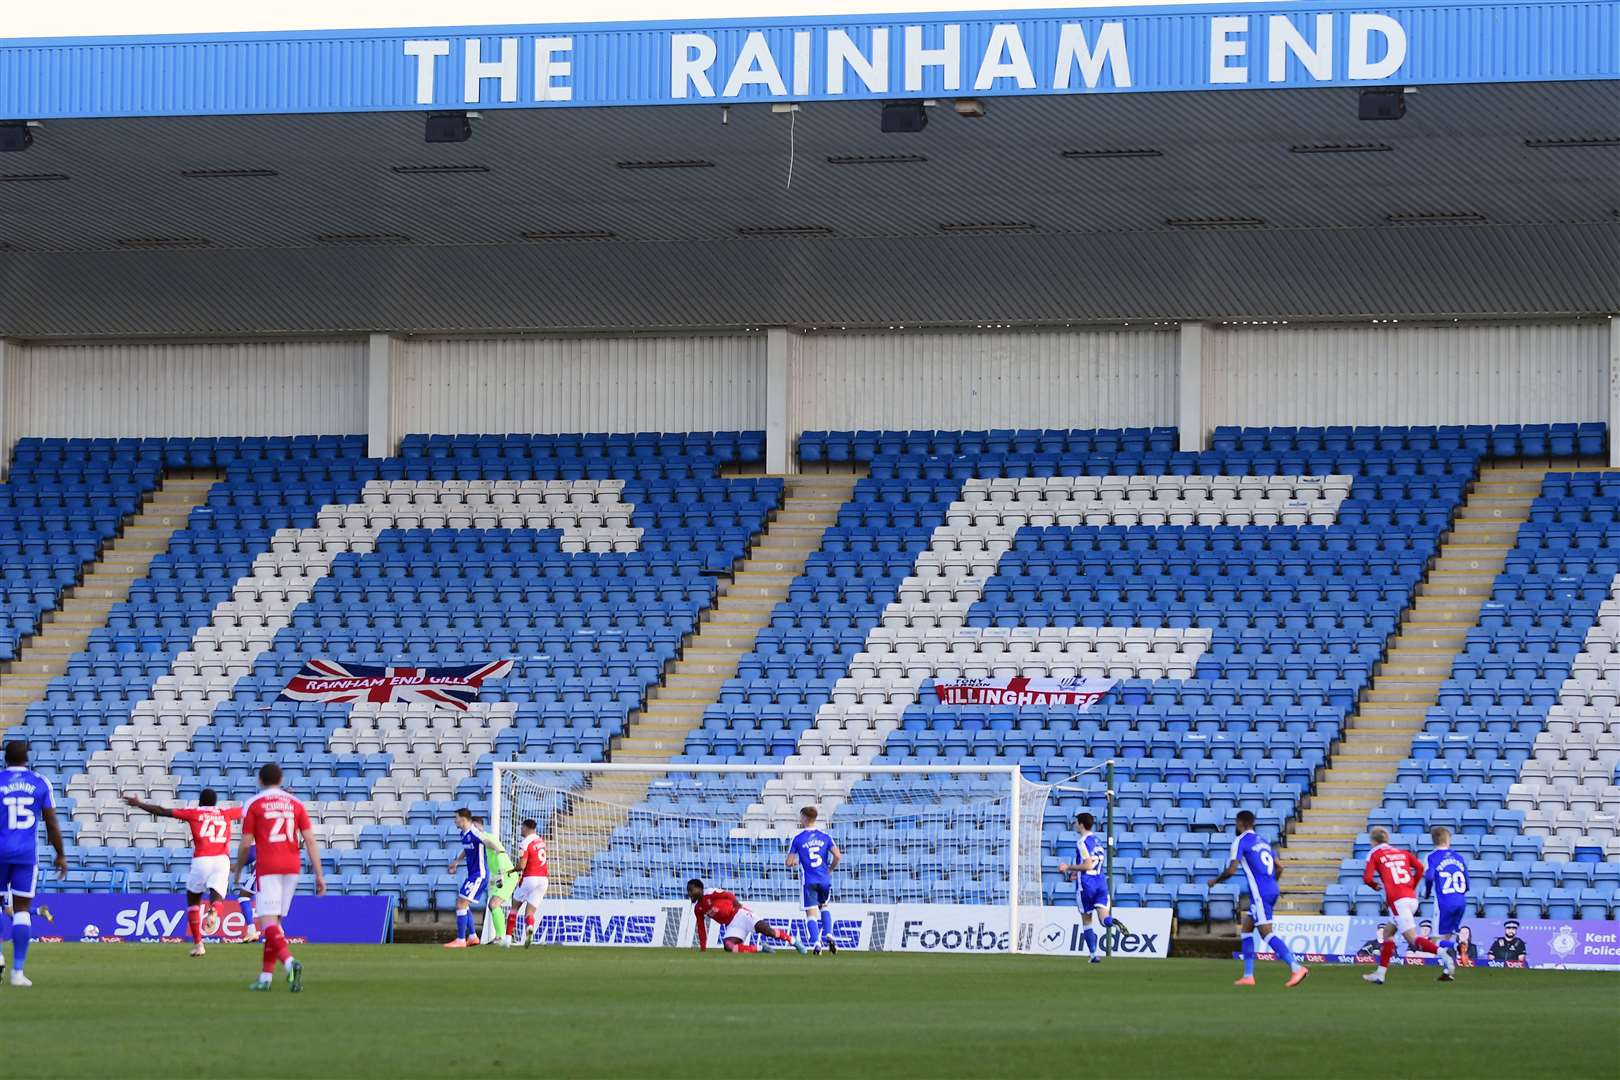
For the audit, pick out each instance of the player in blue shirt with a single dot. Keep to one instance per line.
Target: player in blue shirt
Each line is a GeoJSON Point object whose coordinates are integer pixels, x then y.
{"type": "Point", "coordinates": [1090, 873]}
{"type": "Point", "coordinates": [1259, 865]}
{"type": "Point", "coordinates": [247, 883]}
{"type": "Point", "coordinates": [473, 842]}
{"type": "Point", "coordinates": [816, 857]}
{"type": "Point", "coordinates": [1445, 877]}
{"type": "Point", "coordinates": [26, 799]}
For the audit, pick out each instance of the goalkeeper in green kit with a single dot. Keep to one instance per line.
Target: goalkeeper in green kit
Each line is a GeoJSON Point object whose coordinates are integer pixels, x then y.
{"type": "Point", "coordinates": [503, 882]}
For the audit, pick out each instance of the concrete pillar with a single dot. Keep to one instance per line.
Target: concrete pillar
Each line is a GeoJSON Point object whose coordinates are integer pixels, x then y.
{"type": "Point", "coordinates": [1614, 393]}
{"type": "Point", "coordinates": [8, 438]}
{"type": "Point", "coordinates": [379, 396]}
{"type": "Point", "coordinates": [781, 350]}
{"type": "Point", "coordinates": [1190, 388]}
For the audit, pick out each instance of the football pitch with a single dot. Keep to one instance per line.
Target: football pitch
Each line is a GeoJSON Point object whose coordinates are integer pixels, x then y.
{"type": "Point", "coordinates": [408, 1011]}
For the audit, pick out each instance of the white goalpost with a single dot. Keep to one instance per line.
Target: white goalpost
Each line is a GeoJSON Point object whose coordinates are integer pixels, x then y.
{"type": "Point", "coordinates": [968, 834]}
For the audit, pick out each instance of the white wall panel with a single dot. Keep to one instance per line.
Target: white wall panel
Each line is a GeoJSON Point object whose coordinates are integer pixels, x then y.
{"type": "Point", "coordinates": [260, 388]}
{"type": "Point", "coordinates": [984, 379]}
{"type": "Point", "coordinates": [552, 384]}
{"type": "Point", "coordinates": [1464, 373]}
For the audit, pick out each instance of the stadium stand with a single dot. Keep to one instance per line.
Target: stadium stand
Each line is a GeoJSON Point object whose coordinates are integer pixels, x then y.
{"type": "Point", "coordinates": [290, 560]}
{"type": "Point", "coordinates": [1244, 596]}
{"type": "Point", "coordinates": [1519, 756]}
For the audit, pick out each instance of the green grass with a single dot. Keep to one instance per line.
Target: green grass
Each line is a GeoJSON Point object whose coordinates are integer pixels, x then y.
{"type": "Point", "coordinates": [407, 1011]}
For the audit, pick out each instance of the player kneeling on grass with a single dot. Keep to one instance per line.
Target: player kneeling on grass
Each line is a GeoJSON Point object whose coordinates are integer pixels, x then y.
{"type": "Point", "coordinates": [737, 921]}
{"type": "Point", "coordinates": [1091, 883]}
{"type": "Point", "coordinates": [1259, 864]}
{"type": "Point", "coordinates": [1399, 871]}
{"type": "Point", "coordinates": [210, 873]}
{"type": "Point", "coordinates": [535, 876]}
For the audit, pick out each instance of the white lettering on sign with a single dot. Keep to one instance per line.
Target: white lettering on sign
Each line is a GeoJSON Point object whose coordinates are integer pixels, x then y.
{"type": "Point", "coordinates": [549, 66]}
{"type": "Point", "coordinates": [1073, 52]}
{"type": "Point", "coordinates": [503, 70]}
{"type": "Point", "coordinates": [832, 62]}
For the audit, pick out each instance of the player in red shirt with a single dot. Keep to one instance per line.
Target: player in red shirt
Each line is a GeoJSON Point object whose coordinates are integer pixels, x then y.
{"type": "Point", "coordinates": [534, 876]}
{"type": "Point", "coordinates": [736, 921]}
{"type": "Point", "coordinates": [273, 823]}
{"type": "Point", "coordinates": [210, 873]}
{"type": "Point", "coordinates": [1399, 871]}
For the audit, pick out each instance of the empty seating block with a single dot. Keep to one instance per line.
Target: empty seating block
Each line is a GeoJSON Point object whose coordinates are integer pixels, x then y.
{"type": "Point", "coordinates": [62, 501]}
{"type": "Point", "coordinates": [1242, 597]}
{"type": "Point", "coordinates": [586, 558]}
{"type": "Point", "coordinates": [1519, 757]}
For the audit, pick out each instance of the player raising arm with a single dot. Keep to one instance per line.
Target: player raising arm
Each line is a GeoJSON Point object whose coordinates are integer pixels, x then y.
{"type": "Point", "coordinates": [736, 920]}
{"type": "Point", "coordinates": [26, 799]}
{"type": "Point", "coordinates": [210, 874]}
{"type": "Point", "coordinates": [1399, 871]}
{"type": "Point", "coordinates": [1259, 865]}
{"type": "Point", "coordinates": [273, 824]}
{"type": "Point", "coordinates": [816, 856]}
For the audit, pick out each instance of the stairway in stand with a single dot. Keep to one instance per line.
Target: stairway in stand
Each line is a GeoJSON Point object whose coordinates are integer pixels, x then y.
{"type": "Point", "coordinates": [1378, 735]}
{"type": "Point", "coordinates": [123, 561]}
{"type": "Point", "coordinates": [692, 683]}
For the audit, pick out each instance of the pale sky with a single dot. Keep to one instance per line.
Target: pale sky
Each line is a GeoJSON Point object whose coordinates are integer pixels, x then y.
{"type": "Point", "coordinates": [98, 18]}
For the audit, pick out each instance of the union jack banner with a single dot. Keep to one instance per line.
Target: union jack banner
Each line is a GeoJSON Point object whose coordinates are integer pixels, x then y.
{"type": "Point", "coordinates": [452, 687]}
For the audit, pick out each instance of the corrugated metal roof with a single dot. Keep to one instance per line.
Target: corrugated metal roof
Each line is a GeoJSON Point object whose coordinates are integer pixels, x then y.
{"type": "Point", "coordinates": [1098, 250]}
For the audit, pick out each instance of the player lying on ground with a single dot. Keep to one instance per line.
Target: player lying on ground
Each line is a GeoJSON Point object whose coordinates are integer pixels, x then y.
{"type": "Point", "coordinates": [1090, 874]}
{"type": "Point", "coordinates": [26, 799]}
{"type": "Point", "coordinates": [816, 856]}
{"type": "Point", "coordinates": [210, 873]}
{"type": "Point", "coordinates": [534, 876]}
{"type": "Point", "coordinates": [737, 920]}
{"type": "Point", "coordinates": [1399, 871]}
{"type": "Point", "coordinates": [474, 842]}
{"type": "Point", "coordinates": [1254, 857]}
{"type": "Point", "coordinates": [273, 824]}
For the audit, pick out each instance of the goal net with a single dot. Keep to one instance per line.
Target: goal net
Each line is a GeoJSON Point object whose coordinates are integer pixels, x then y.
{"type": "Point", "coordinates": [964, 835]}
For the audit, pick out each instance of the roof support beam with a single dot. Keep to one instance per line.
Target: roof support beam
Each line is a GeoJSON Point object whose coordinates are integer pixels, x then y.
{"type": "Point", "coordinates": [7, 438]}
{"type": "Point", "coordinates": [1190, 388]}
{"type": "Point", "coordinates": [781, 359]}
{"type": "Point", "coordinates": [379, 396]}
{"type": "Point", "coordinates": [1614, 392]}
